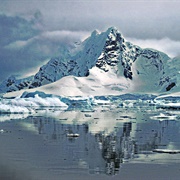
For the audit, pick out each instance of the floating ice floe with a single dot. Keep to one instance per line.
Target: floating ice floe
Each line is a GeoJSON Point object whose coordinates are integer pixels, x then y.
{"type": "Point", "coordinates": [162, 117]}
{"type": "Point", "coordinates": [72, 135]}
{"type": "Point", "coordinates": [170, 151]}
{"type": "Point", "coordinates": [2, 131]}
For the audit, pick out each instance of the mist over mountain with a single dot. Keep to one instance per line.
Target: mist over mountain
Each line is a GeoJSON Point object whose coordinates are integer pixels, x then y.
{"type": "Point", "coordinates": [103, 63]}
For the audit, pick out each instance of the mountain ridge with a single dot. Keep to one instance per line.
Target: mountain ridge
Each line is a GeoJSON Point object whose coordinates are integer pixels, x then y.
{"type": "Point", "coordinates": [109, 52]}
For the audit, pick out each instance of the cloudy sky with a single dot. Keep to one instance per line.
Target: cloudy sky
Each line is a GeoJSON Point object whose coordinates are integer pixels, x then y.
{"type": "Point", "coordinates": [32, 31]}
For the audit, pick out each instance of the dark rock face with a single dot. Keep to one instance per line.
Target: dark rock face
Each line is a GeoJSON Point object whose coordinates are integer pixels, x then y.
{"type": "Point", "coordinates": [13, 84]}
{"type": "Point", "coordinates": [111, 50]}
{"type": "Point", "coordinates": [170, 86]}
{"type": "Point", "coordinates": [128, 73]}
{"type": "Point", "coordinates": [54, 70]}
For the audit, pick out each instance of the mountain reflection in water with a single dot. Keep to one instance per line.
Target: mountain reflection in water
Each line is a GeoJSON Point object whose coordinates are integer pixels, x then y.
{"type": "Point", "coordinates": [102, 150]}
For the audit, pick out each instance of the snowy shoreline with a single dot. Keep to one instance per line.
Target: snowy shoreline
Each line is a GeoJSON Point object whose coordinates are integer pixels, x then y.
{"type": "Point", "coordinates": [29, 102]}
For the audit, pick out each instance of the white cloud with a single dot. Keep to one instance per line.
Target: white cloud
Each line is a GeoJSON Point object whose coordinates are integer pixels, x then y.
{"type": "Point", "coordinates": [48, 37]}
{"type": "Point", "coordinates": [18, 44]}
{"type": "Point", "coordinates": [166, 45]}
{"type": "Point", "coordinates": [64, 36]}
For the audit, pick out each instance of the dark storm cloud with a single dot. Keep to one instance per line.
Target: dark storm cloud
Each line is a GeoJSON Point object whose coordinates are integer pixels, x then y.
{"type": "Point", "coordinates": [15, 28]}
{"type": "Point", "coordinates": [25, 43]}
{"type": "Point", "coordinates": [23, 46]}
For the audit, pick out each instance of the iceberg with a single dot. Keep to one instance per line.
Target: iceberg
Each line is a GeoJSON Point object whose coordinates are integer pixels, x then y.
{"type": "Point", "coordinates": [28, 103]}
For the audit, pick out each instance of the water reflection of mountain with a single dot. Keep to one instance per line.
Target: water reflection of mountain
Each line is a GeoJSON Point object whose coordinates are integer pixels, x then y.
{"type": "Point", "coordinates": [116, 148]}
{"type": "Point", "coordinates": [102, 153]}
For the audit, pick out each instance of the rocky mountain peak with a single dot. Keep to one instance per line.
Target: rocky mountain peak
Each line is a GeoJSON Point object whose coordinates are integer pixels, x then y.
{"type": "Point", "coordinates": [110, 52]}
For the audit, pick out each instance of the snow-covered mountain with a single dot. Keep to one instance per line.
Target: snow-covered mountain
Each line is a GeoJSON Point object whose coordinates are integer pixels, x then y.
{"type": "Point", "coordinates": [14, 84]}
{"type": "Point", "coordinates": [104, 63]}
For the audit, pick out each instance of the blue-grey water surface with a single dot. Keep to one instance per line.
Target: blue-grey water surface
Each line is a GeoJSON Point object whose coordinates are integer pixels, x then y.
{"type": "Point", "coordinates": [111, 144]}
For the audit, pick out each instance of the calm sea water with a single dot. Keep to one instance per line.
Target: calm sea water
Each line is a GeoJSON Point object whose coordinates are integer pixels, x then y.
{"type": "Point", "coordinates": [111, 144]}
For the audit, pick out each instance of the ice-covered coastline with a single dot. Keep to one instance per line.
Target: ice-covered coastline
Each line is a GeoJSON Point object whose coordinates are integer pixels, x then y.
{"type": "Point", "coordinates": [171, 101]}
{"type": "Point", "coordinates": [34, 101]}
